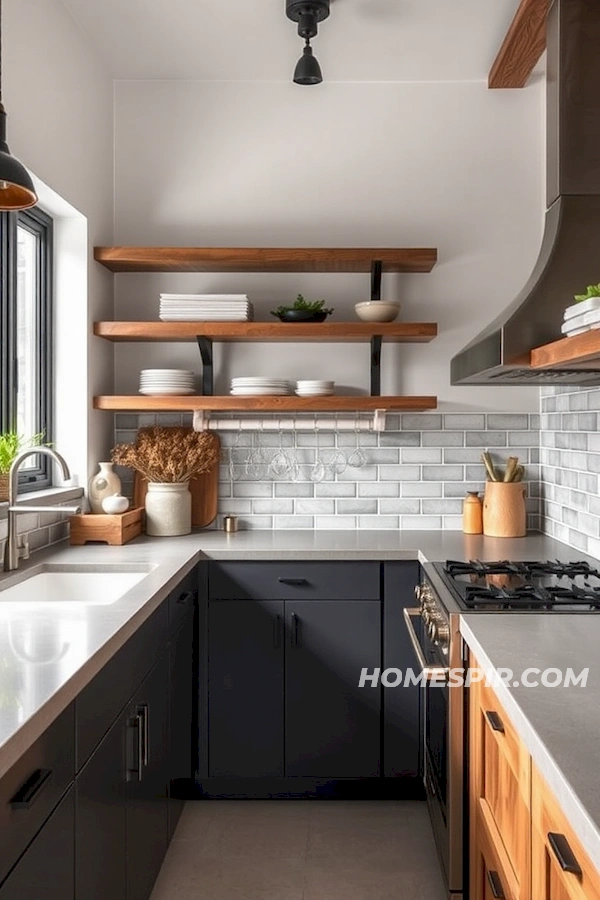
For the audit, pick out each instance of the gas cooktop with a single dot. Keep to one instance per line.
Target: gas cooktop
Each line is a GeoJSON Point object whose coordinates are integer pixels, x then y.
{"type": "Point", "coordinates": [504, 585]}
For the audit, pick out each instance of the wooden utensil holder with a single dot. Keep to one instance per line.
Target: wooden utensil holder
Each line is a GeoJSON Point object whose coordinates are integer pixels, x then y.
{"type": "Point", "coordinates": [504, 512]}
{"type": "Point", "coordinates": [114, 530]}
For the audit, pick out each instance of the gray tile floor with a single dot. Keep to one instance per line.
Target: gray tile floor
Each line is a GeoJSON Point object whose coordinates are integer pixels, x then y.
{"type": "Point", "coordinates": [301, 850]}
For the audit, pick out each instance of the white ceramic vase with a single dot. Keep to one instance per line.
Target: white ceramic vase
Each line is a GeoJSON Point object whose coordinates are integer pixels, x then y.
{"type": "Point", "coordinates": [168, 509]}
{"type": "Point", "coordinates": [103, 484]}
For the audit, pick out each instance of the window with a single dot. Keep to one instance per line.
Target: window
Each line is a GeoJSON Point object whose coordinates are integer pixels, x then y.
{"type": "Point", "coordinates": [26, 334]}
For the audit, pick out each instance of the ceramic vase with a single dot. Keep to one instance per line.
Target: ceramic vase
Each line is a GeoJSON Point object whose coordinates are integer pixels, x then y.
{"type": "Point", "coordinates": [504, 512]}
{"type": "Point", "coordinates": [103, 484]}
{"type": "Point", "coordinates": [472, 513]}
{"type": "Point", "coordinates": [168, 509]}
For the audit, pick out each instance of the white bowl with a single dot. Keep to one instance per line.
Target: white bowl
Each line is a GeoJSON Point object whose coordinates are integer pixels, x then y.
{"type": "Point", "coordinates": [115, 504]}
{"type": "Point", "coordinates": [377, 310]}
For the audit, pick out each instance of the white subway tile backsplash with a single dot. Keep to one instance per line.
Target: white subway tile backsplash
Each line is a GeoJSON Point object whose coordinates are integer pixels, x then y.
{"type": "Point", "coordinates": [416, 475]}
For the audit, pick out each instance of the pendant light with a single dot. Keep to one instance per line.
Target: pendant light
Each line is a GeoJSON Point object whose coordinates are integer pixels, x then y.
{"type": "Point", "coordinates": [16, 187]}
{"type": "Point", "coordinates": [308, 14]}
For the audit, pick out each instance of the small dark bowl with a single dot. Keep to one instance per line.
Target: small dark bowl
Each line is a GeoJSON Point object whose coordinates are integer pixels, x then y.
{"type": "Point", "coordinates": [302, 315]}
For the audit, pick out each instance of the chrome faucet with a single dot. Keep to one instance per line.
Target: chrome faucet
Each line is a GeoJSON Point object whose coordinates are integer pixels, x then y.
{"type": "Point", "coordinates": [16, 550]}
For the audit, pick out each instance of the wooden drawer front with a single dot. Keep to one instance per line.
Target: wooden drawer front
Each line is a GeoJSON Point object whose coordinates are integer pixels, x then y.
{"type": "Point", "coordinates": [550, 881]}
{"type": "Point", "coordinates": [492, 877]}
{"type": "Point", "coordinates": [102, 700]}
{"type": "Point", "coordinates": [294, 581]}
{"type": "Point", "coordinates": [502, 781]}
{"type": "Point", "coordinates": [33, 787]}
{"type": "Point", "coordinates": [182, 599]}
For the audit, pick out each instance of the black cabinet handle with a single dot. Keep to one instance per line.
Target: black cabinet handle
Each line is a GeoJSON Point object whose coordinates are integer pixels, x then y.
{"type": "Point", "coordinates": [277, 631]}
{"type": "Point", "coordinates": [562, 851]}
{"type": "Point", "coordinates": [31, 789]}
{"type": "Point", "coordinates": [494, 720]}
{"type": "Point", "coordinates": [146, 733]}
{"type": "Point", "coordinates": [137, 764]}
{"type": "Point", "coordinates": [187, 597]}
{"type": "Point", "coordinates": [295, 621]}
{"type": "Point", "coordinates": [293, 582]}
{"type": "Point", "coordinates": [495, 885]}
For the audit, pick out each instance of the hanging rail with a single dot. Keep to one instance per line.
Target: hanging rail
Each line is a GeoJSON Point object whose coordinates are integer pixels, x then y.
{"type": "Point", "coordinates": [204, 422]}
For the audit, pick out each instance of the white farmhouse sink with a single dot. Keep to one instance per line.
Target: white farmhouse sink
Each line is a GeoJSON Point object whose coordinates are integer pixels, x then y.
{"type": "Point", "coordinates": [89, 588]}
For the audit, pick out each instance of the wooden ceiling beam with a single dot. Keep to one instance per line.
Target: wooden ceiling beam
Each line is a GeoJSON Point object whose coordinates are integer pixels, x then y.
{"type": "Point", "coordinates": [522, 47]}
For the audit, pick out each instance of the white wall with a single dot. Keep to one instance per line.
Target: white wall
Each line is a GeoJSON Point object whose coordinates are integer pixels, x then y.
{"type": "Point", "coordinates": [59, 98]}
{"type": "Point", "coordinates": [451, 165]}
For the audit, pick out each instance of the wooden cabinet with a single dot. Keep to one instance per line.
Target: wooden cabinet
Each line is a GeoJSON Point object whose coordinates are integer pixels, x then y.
{"type": "Point", "coordinates": [500, 791]}
{"type": "Point", "coordinates": [561, 870]}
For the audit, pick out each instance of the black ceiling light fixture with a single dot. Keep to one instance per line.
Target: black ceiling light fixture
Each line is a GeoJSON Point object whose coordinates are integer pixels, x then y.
{"type": "Point", "coordinates": [16, 187]}
{"type": "Point", "coordinates": [308, 14]}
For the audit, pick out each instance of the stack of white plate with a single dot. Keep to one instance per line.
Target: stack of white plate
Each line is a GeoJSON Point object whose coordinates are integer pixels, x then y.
{"type": "Point", "coordinates": [258, 387]}
{"type": "Point", "coordinates": [314, 388]}
{"type": "Point", "coordinates": [205, 308]}
{"type": "Point", "coordinates": [167, 381]}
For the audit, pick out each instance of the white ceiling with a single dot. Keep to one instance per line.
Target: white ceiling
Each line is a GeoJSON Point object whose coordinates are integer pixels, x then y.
{"type": "Point", "coordinates": [252, 40]}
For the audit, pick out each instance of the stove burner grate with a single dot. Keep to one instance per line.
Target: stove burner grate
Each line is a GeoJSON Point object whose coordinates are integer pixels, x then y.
{"type": "Point", "coordinates": [525, 569]}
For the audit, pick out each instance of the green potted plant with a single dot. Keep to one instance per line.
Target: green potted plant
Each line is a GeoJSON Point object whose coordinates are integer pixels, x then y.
{"type": "Point", "coordinates": [302, 311]}
{"type": "Point", "coordinates": [11, 444]}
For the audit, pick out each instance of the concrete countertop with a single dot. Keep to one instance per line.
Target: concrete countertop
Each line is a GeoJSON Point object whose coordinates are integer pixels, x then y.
{"type": "Point", "coordinates": [74, 643]}
{"type": "Point", "coordinates": [559, 725]}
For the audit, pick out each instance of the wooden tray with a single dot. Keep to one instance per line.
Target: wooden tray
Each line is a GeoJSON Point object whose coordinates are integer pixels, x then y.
{"type": "Point", "coordinates": [114, 530]}
{"type": "Point", "coordinates": [204, 491]}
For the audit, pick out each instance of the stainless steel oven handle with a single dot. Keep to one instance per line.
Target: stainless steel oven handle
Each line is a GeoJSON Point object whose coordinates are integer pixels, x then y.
{"type": "Point", "coordinates": [431, 673]}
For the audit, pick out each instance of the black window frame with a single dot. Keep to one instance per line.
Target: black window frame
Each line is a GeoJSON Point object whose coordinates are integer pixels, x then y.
{"type": "Point", "coordinates": [40, 224]}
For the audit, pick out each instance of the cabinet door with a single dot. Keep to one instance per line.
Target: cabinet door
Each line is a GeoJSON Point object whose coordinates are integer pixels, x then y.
{"type": "Point", "coordinates": [181, 716]}
{"type": "Point", "coordinates": [245, 688]}
{"type": "Point", "coordinates": [500, 786]}
{"type": "Point", "coordinates": [100, 844]}
{"type": "Point", "coordinates": [332, 726]}
{"type": "Point", "coordinates": [147, 788]}
{"type": "Point", "coordinates": [45, 871]}
{"type": "Point", "coordinates": [561, 869]}
{"type": "Point", "coordinates": [401, 706]}
{"type": "Point", "coordinates": [491, 878]}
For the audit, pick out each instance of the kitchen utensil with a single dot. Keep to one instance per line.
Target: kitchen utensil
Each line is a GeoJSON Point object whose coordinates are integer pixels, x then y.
{"type": "Point", "coordinates": [504, 511]}
{"type": "Point", "coordinates": [377, 310]}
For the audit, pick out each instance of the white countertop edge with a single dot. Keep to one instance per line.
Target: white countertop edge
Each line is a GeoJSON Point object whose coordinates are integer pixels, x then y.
{"type": "Point", "coordinates": [32, 729]}
{"type": "Point", "coordinates": [584, 827]}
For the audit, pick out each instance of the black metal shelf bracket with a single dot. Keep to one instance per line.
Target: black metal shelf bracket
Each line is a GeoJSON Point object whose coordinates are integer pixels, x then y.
{"type": "Point", "coordinates": [205, 346]}
{"type": "Point", "coordinates": [376, 365]}
{"type": "Point", "coordinates": [376, 273]}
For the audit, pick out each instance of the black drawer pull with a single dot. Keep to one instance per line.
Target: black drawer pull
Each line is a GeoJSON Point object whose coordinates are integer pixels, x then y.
{"type": "Point", "coordinates": [562, 851]}
{"type": "Point", "coordinates": [293, 582]}
{"type": "Point", "coordinates": [28, 792]}
{"type": "Point", "coordinates": [495, 885]}
{"type": "Point", "coordinates": [495, 720]}
{"type": "Point", "coordinates": [187, 597]}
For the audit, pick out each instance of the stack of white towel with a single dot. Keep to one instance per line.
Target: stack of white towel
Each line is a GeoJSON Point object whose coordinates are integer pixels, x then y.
{"type": "Point", "coordinates": [205, 308]}
{"type": "Point", "coordinates": [582, 316]}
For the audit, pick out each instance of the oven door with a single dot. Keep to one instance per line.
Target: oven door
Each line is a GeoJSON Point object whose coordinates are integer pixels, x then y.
{"type": "Point", "coordinates": [434, 707]}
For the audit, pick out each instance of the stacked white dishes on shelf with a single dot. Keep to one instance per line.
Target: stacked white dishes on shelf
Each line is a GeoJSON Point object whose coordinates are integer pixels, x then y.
{"type": "Point", "coordinates": [259, 387]}
{"type": "Point", "coordinates": [167, 381]}
{"type": "Point", "coordinates": [314, 388]}
{"type": "Point", "coordinates": [582, 316]}
{"type": "Point", "coordinates": [205, 308]}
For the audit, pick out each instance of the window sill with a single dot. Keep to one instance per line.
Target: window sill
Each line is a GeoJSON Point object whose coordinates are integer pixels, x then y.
{"type": "Point", "coordinates": [47, 497]}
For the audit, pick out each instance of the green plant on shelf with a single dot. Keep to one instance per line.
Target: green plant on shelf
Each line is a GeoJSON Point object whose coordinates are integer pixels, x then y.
{"type": "Point", "coordinates": [315, 307]}
{"type": "Point", "coordinates": [592, 290]}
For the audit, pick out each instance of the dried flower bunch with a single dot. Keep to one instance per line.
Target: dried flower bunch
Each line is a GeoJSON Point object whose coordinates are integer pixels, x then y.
{"type": "Point", "coordinates": [167, 455]}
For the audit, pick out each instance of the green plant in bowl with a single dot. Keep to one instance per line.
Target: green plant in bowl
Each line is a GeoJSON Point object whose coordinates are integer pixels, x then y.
{"type": "Point", "coordinates": [592, 290]}
{"type": "Point", "coordinates": [302, 311]}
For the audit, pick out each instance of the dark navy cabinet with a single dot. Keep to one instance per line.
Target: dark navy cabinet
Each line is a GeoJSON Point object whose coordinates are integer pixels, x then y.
{"type": "Point", "coordinates": [280, 700]}
{"type": "Point", "coordinates": [182, 713]}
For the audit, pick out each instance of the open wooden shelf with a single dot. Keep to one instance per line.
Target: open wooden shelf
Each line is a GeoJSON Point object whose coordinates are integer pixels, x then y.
{"type": "Point", "coordinates": [264, 259]}
{"type": "Point", "coordinates": [582, 351]}
{"type": "Point", "coordinates": [139, 403]}
{"type": "Point", "coordinates": [351, 332]}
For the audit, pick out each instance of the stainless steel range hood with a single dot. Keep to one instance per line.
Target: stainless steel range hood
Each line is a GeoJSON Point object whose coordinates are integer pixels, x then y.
{"type": "Point", "coordinates": [570, 254]}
